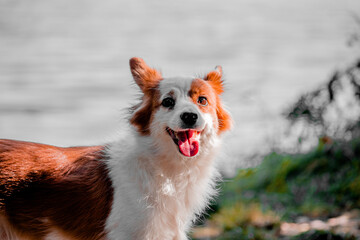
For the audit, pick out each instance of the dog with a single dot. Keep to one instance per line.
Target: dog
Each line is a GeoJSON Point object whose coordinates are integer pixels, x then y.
{"type": "Point", "coordinates": [151, 184]}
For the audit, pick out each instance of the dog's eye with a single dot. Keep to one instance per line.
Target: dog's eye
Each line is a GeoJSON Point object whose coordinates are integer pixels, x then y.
{"type": "Point", "coordinates": [202, 101]}
{"type": "Point", "coordinates": [168, 102]}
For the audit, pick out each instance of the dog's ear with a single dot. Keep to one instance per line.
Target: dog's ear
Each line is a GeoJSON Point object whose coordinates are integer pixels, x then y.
{"type": "Point", "coordinates": [215, 79]}
{"type": "Point", "coordinates": [145, 77]}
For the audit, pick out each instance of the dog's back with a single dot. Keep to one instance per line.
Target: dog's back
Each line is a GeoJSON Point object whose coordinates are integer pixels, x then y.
{"type": "Point", "coordinates": [43, 186]}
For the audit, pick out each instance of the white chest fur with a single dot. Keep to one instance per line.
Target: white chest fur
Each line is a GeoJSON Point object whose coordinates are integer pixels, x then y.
{"type": "Point", "coordinates": [156, 197]}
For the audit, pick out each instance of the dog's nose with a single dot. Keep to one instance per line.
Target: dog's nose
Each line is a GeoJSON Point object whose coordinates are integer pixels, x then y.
{"type": "Point", "coordinates": [189, 118]}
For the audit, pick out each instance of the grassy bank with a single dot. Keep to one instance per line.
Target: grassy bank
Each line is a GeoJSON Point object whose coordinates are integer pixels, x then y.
{"type": "Point", "coordinates": [309, 191]}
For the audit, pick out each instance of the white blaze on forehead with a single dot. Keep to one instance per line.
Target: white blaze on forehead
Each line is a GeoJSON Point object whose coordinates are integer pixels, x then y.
{"type": "Point", "coordinates": [178, 85]}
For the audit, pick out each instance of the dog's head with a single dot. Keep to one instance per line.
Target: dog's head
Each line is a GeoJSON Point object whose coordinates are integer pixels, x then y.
{"type": "Point", "coordinates": [179, 113]}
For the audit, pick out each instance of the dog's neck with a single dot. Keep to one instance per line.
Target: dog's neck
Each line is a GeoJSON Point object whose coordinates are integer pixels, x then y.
{"type": "Point", "coordinates": [162, 171]}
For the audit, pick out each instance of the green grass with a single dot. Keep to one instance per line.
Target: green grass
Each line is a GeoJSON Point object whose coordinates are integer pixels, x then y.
{"type": "Point", "coordinates": [319, 184]}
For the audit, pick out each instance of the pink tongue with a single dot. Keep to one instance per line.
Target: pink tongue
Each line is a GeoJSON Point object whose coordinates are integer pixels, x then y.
{"type": "Point", "coordinates": [188, 144]}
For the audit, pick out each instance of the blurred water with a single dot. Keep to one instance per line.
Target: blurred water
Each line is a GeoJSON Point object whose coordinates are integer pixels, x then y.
{"type": "Point", "coordinates": [64, 76]}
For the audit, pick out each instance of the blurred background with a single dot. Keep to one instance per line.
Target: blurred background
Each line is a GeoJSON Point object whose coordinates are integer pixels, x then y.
{"type": "Point", "coordinates": [65, 79]}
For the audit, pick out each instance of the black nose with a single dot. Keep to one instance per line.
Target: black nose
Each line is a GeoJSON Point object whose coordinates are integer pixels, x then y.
{"type": "Point", "coordinates": [189, 118]}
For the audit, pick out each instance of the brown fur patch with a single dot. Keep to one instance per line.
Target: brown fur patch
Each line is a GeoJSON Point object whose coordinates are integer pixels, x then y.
{"type": "Point", "coordinates": [199, 88]}
{"type": "Point", "coordinates": [212, 88]}
{"type": "Point", "coordinates": [145, 77]}
{"type": "Point", "coordinates": [148, 80]}
{"type": "Point", "coordinates": [44, 187]}
{"type": "Point", "coordinates": [143, 113]}
{"type": "Point", "coordinates": [224, 118]}
{"type": "Point", "coordinates": [215, 80]}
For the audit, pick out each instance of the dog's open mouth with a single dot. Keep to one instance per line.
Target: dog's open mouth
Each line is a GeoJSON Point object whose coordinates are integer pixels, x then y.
{"type": "Point", "coordinates": [187, 141]}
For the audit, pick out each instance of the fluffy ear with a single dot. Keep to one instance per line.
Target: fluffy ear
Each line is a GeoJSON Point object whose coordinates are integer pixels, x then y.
{"type": "Point", "coordinates": [215, 79]}
{"type": "Point", "coordinates": [145, 77]}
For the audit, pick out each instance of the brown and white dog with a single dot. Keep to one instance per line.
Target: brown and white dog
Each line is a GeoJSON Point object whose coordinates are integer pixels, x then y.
{"type": "Point", "coordinates": [151, 184]}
